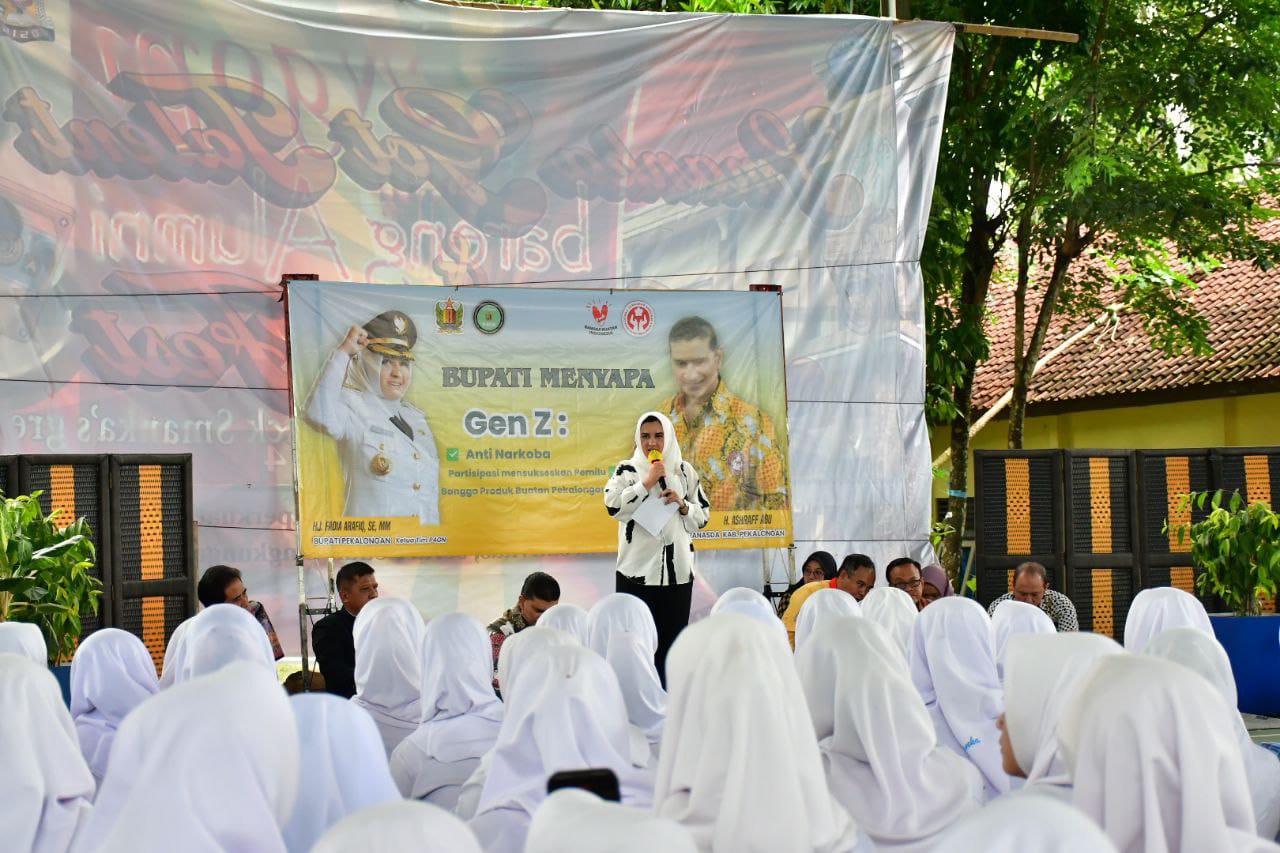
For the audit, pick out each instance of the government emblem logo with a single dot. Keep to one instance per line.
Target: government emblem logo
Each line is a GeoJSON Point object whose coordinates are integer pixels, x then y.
{"type": "Point", "coordinates": [449, 316]}
{"type": "Point", "coordinates": [599, 317]}
{"type": "Point", "coordinates": [637, 319]}
{"type": "Point", "coordinates": [488, 317]}
{"type": "Point", "coordinates": [25, 20]}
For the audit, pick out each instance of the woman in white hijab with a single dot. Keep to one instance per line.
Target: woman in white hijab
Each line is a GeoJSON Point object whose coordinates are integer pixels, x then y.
{"type": "Point", "coordinates": [401, 826]}
{"type": "Point", "coordinates": [46, 790]}
{"type": "Point", "coordinates": [893, 610]}
{"type": "Point", "coordinates": [1154, 759]}
{"type": "Point", "coordinates": [1159, 609]}
{"type": "Point", "coordinates": [175, 653]}
{"type": "Point", "coordinates": [657, 569]}
{"type": "Point", "coordinates": [111, 674]}
{"type": "Point", "coordinates": [1012, 618]}
{"type": "Point", "coordinates": [878, 746]}
{"type": "Point", "coordinates": [821, 606]}
{"type": "Point", "coordinates": [748, 602]}
{"type": "Point", "coordinates": [208, 765]}
{"type": "Point", "coordinates": [516, 651]}
{"type": "Point", "coordinates": [1041, 676]}
{"type": "Point", "coordinates": [1025, 822]}
{"type": "Point", "coordinates": [569, 618]}
{"type": "Point", "coordinates": [620, 629]}
{"type": "Point", "coordinates": [1205, 656]}
{"type": "Point", "coordinates": [574, 821]}
{"type": "Point", "coordinates": [388, 639]}
{"type": "Point", "coordinates": [23, 638]}
{"type": "Point", "coordinates": [739, 769]}
{"type": "Point", "coordinates": [953, 666]}
{"type": "Point", "coordinates": [461, 714]}
{"type": "Point", "coordinates": [220, 635]}
{"type": "Point", "coordinates": [341, 769]}
{"type": "Point", "coordinates": [564, 713]}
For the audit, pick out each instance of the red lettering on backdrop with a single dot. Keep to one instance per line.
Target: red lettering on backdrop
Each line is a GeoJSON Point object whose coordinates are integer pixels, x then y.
{"type": "Point", "coordinates": [227, 337]}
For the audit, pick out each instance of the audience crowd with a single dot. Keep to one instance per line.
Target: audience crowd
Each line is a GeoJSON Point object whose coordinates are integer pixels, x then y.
{"type": "Point", "coordinates": [865, 712]}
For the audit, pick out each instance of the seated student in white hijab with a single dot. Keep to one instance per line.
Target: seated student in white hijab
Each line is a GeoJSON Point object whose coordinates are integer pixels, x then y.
{"type": "Point", "coordinates": [1205, 656]}
{"type": "Point", "coordinates": [175, 653]}
{"type": "Point", "coordinates": [820, 606]}
{"type": "Point", "coordinates": [565, 712]}
{"type": "Point", "coordinates": [893, 610]}
{"type": "Point", "coordinates": [739, 769]}
{"type": "Point", "coordinates": [1024, 822]}
{"type": "Point", "coordinates": [111, 674]}
{"type": "Point", "coordinates": [1012, 618]}
{"type": "Point", "coordinates": [405, 825]}
{"type": "Point", "coordinates": [210, 764]}
{"type": "Point", "coordinates": [23, 638]}
{"type": "Point", "coordinates": [341, 767]}
{"type": "Point", "coordinates": [1041, 676]}
{"type": "Point", "coordinates": [46, 790]}
{"type": "Point", "coordinates": [575, 821]}
{"type": "Point", "coordinates": [461, 714]}
{"type": "Point", "coordinates": [748, 602]}
{"type": "Point", "coordinates": [566, 617]}
{"type": "Point", "coordinates": [221, 635]}
{"type": "Point", "coordinates": [515, 652]}
{"type": "Point", "coordinates": [620, 629]}
{"type": "Point", "coordinates": [1159, 609]}
{"type": "Point", "coordinates": [388, 640]}
{"type": "Point", "coordinates": [879, 750]}
{"type": "Point", "coordinates": [953, 666]}
{"type": "Point", "coordinates": [1155, 761]}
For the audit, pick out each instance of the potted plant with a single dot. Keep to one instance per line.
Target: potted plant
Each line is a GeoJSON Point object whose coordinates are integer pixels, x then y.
{"type": "Point", "coordinates": [44, 575]}
{"type": "Point", "coordinates": [1237, 549]}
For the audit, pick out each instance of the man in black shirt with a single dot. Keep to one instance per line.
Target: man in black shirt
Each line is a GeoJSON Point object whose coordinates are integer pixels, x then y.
{"type": "Point", "coordinates": [331, 637]}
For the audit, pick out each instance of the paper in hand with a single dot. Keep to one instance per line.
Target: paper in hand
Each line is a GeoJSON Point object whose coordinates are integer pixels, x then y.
{"type": "Point", "coordinates": [653, 514]}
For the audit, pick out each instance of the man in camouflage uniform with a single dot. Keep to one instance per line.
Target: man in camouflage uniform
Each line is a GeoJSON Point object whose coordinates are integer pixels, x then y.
{"type": "Point", "coordinates": [731, 443]}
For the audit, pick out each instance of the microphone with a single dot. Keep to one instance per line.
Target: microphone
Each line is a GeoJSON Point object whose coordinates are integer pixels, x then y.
{"type": "Point", "coordinates": [656, 456]}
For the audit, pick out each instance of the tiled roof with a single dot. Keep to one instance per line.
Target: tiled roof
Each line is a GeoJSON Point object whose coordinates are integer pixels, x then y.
{"type": "Point", "coordinates": [1240, 301]}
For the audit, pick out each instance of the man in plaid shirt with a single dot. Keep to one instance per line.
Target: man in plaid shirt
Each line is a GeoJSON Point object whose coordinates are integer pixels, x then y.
{"type": "Point", "coordinates": [1031, 586]}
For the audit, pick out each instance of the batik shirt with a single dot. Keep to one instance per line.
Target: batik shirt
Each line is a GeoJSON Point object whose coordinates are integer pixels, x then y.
{"type": "Point", "coordinates": [734, 448]}
{"type": "Point", "coordinates": [504, 626]}
{"type": "Point", "coordinates": [260, 613]}
{"type": "Point", "coordinates": [1055, 605]}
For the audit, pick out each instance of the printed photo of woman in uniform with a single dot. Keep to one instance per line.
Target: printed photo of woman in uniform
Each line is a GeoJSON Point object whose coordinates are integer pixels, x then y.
{"type": "Point", "coordinates": [389, 458]}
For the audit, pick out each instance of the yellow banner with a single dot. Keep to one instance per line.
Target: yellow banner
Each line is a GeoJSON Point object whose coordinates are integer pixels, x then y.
{"type": "Point", "coordinates": [487, 420]}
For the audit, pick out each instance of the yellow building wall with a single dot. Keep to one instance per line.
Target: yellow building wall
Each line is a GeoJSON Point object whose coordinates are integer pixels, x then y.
{"type": "Point", "coordinates": [1222, 422]}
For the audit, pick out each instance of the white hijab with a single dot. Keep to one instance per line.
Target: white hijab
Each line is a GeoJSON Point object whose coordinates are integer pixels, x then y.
{"type": "Point", "coordinates": [574, 821]}
{"type": "Point", "coordinates": [621, 630]}
{"type": "Point", "coordinates": [518, 648]}
{"type": "Point", "coordinates": [879, 749]}
{"type": "Point", "coordinates": [738, 769]}
{"type": "Point", "coordinates": [1023, 822]}
{"type": "Point", "coordinates": [565, 712]}
{"type": "Point", "coordinates": [749, 602]}
{"type": "Point", "coordinates": [388, 637]}
{"type": "Point", "coordinates": [1205, 656]}
{"type": "Point", "coordinates": [569, 618]}
{"type": "Point", "coordinates": [220, 635]}
{"type": "Point", "coordinates": [175, 654]}
{"type": "Point", "coordinates": [1154, 759]}
{"type": "Point", "coordinates": [1159, 609]}
{"type": "Point", "coordinates": [23, 638]}
{"type": "Point", "coordinates": [342, 767]}
{"type": "Point", "coordinates": [401, 825]}
{"type": "Point", "coordinates": [671, 456]}
{"type": "Point", "coordinates": [1012, 618]}
{"type": "Point", "coordinates": [953, 666]}
{"type": "Point", "coordinates": [819, 607]}
{"type": "Point", "coordinates": [45, 787]}
{"type": "Point", "coordinates": [460, 712]}
{"type": "Point", "coordinates": [111, 674]}
{"type": "Point", "coordinates": [1041, 676]}
{"type": "Point", "coordinates": [210, 764]}
{"type": "Point", "coordinates": [893, 610]}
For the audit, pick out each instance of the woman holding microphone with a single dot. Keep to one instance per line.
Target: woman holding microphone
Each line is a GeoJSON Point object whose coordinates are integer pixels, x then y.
{"type": "Point", "coordinates": [656, 498]}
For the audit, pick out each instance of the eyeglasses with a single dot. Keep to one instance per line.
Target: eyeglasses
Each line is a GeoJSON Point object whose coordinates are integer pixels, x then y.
{"type": "Point", "coordinates": [914, 583]}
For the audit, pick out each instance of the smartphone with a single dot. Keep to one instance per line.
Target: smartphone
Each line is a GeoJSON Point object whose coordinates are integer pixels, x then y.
{"type": "Point", "coordinates": [600, 781]}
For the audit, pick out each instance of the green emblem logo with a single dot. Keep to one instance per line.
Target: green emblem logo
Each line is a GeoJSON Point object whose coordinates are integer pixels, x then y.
{"type": "Point", "coordinates": [488, 317]}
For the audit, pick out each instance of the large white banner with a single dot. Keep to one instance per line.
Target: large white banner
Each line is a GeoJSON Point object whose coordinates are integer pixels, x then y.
{"type": "Point", "coordinates": [163, 164]}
